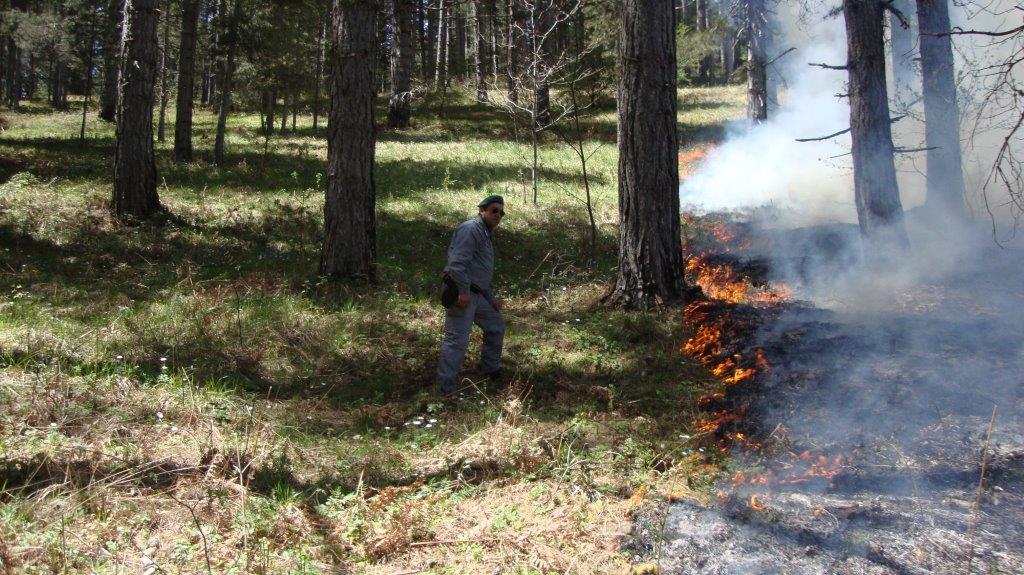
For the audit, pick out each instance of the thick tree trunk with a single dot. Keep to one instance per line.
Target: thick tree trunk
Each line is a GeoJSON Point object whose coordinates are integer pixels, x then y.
{"type": "Point", "coordinates": [941, 112]}
{"type": "Point", "coordinates": [650, 249]}
{"type": "Point", "coordinates": [226, 83]}
{"type": "Point", "coordinates": [480, 56]}
{"type": "Point", "coordinates": [399, 105]}
{"type": "Point", "coordinates": [165, 45]}
{"type": "Point", "coordinates": [874, 174]}
{"type": "Point", "coordinates": [135, 180]}
{"type": "Point", "coordinates": [349, 250]}
{"type": "Point", "coordinates": [186, 81]}
{"type": "Point", "coordinates": [111, 54]}
{"type": "Point", "coordinates": [757, 73]}
{"type": "Point", "coordinates": [14, 87]}
{"type": "Point", "coordinates": [902, 48]}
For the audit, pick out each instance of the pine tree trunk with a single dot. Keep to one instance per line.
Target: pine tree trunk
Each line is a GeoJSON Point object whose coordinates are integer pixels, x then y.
{"type": "Point", "coordinates": [13, 74]}
{"type": "Point", "coordinates": [162, 73]}
{"type": "Point", "coordinates": [135, 180]}
{"type": "Point", "coordinates": [650, 249]}
{"type": "Point", "coordinates": [399, 105]}
{"type": "Point", "coordinates": [429, 40]}
{"type": "Point", "coordinates": [512, 57]}
{"type": "Point", "coordinates": [728, 54]}
{"type": "Point", "coordinates": [319, 82]}
{"type": "Point", "coordinates": [941, 112]}
{"type": "Point", "coordinates": [541, 66]}
{"type": "Point", "coordinates": [902, 52]}
{"type": "Point", "coordinates": [349, 250]}
{"type": "Point", "coordinates": [757, 79]}
{"type": "Point", "coordinates": [441, 66]}
{"type": "Point", "coordinates": [874, 174]}
{"type": "Point", "coordinates": [186, 81]}
{"type": "Point", "coordinates": [480, 56]}
{"type": "Point", "coordinates": [704, 66]}
{"type": "Point", "coordinates": [88, 60]}
{"type": "Point", "coordinates": [227, 84]}
{"type": "Point", "coordinates": [111, 53]}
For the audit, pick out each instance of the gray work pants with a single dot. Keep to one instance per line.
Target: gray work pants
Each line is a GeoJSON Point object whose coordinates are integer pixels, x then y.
{"type": "Point", "coordinates": [458, 323]}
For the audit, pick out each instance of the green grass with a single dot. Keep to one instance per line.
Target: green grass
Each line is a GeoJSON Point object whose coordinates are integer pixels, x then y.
{"type": "Point", "coordinates": [130, 355]}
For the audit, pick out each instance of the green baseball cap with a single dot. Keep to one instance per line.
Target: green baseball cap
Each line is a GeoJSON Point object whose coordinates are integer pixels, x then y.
{"type": "Point", "coordinates": [490, 200]}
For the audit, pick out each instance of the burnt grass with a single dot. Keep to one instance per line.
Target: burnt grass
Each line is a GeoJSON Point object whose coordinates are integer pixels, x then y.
{"type": "Point", "coordinates": [868, 444]}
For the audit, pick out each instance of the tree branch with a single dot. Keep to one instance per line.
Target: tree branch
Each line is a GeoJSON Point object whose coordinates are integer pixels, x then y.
{"type": "Point", "coordinates": [904, 23]}
{"type": "Point", "coordinates": [828, 66]}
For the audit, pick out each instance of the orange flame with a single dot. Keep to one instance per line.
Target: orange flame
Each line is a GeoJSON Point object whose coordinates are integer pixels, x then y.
{"type": "Point", "coordinates": [757, 505]}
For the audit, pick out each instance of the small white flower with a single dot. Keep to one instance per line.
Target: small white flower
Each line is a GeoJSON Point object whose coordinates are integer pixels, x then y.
{"type": "Point", "coordinates": [428, 426]}
{"type": "Point", "coordinates": [118, 357]}
{"type": "Point", "coordinates": [417, 422]}
{"type": "Point", "coordinates": [159, 415]}
{"type": "Point", "coordinates": [357, 437]}
{"type": "Point", "coordinates": [432, 420]}
{"type": "Point", "coordinates": [163, 359]}
{"type": "Point", "coordinates": [174, 429]}
{"type": "Point", "coordinates": [387, 428]}
{"type": "Point", "coordinates": [53, 424]}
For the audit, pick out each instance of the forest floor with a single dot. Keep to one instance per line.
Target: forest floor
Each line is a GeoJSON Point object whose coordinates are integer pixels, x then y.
{"type": "Point", "coordinates": [186, 396]}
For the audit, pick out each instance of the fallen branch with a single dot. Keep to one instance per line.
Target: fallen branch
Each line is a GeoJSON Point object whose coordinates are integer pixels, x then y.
{"type": "Point", "coordinates": [451, 542]}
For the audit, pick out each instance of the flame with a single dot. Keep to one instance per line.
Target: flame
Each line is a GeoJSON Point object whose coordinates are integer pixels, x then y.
{"type": "Point", "coordinates": [757, 505]}
{"type": "Point", "coordinates": [688, 161]}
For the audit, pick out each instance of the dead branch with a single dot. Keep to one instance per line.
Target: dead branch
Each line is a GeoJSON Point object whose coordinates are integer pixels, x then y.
{"type": "Point", "coordinates": [828, 66]}
{"type": "Point", "coordinates": [904, 23]}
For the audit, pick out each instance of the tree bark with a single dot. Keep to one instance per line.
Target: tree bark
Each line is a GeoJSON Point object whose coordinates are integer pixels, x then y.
{"type": "Point", "coordinates": [349, 251]}
{"type": "Point", "coordinates": [318, 83]}
{"type": "Point", "coordinates": [876, 194]}
{"type": "Point", "coordinates": [226, 83]}
{"type": "Point", "coordinates": [111, 53]}
{"type": "Point", "coordinates": [135, 180]}
{"type": "Point", "coordinates": [902, 52]}
{"type": "Point", "coordinates": [399, 105]}
{"type": "Point", "coordinates": [186, 81]}
{"type": "Point", "coordinates": [941, 112]}
{"type": "Point", "coordinates": [757, 72]}
{"type": "Point", "coordinates": [650, 249]}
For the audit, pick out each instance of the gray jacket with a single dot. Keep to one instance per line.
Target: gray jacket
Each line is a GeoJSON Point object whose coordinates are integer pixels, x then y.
{"type": "Point", "coordinates": [471, 257]}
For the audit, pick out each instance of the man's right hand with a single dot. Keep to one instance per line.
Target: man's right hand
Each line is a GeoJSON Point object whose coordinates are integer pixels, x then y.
{"type": "Point", "coordinates": [464, 299]}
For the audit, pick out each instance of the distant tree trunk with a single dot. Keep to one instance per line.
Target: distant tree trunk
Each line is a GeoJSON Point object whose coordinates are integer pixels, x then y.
{"type": "Point", "coordinates": [757, 79]}
{"type": "Point", "coordinates": [350, 248]}
{"type": "Point", "coordinates": [186, 81]}
{"type": "Point", "coordinates": [13, 73]}
{"type": "Point", "coordinates": [429, 43]}
{"type": "Point", "coordinates": [399, 105]}
{"type": "Point", "coordinates": [320, 44]}
{"type": "Point", "coordinates": [135, 180]}
{"type": "Point", "coordinates": [226, 83]}
{"type": "Point", "coordinates": [874, 174]}
{"type": "Point", "coordinates": [902, 48]}
{"type": "Point", "coordinates": [111, 53]}
{"type": "Point", "coordinates": [704, 72]}
{"type": "Point", "coordinates": [479, 51]}
{"type": "Point", "coordinates": [88, 59]}
{"type": "Point", "coordinates": [164, 94]}
{"type": "Point", "coordinates": [441, 66]}
{"type": "Point", "coordinates": [512, 57]}
{"type": "Point", "coordinates": [941, 112]}
{"type": "Point", "coordinates": [728, 53]}
{"type": "Point", "coordinates": [492, 28]}
{"type": "Point", "coordinates": [541, 66]}
{"type": "Point", "coordinates": [650, 249]}
{"type": "Point", "coordinates": [456, 41]}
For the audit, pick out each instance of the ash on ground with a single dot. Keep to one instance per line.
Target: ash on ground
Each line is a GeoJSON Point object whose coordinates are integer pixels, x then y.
{"type": "Point", "coordinates": [876, 450]}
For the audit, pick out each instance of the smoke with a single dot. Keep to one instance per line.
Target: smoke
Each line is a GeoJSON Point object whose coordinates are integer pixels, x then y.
{"type": "Point", "coordinates": [812, 182]}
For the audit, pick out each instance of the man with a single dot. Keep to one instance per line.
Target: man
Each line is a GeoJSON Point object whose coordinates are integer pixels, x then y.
{"type": "Point", "coordinates": [470, 268]}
